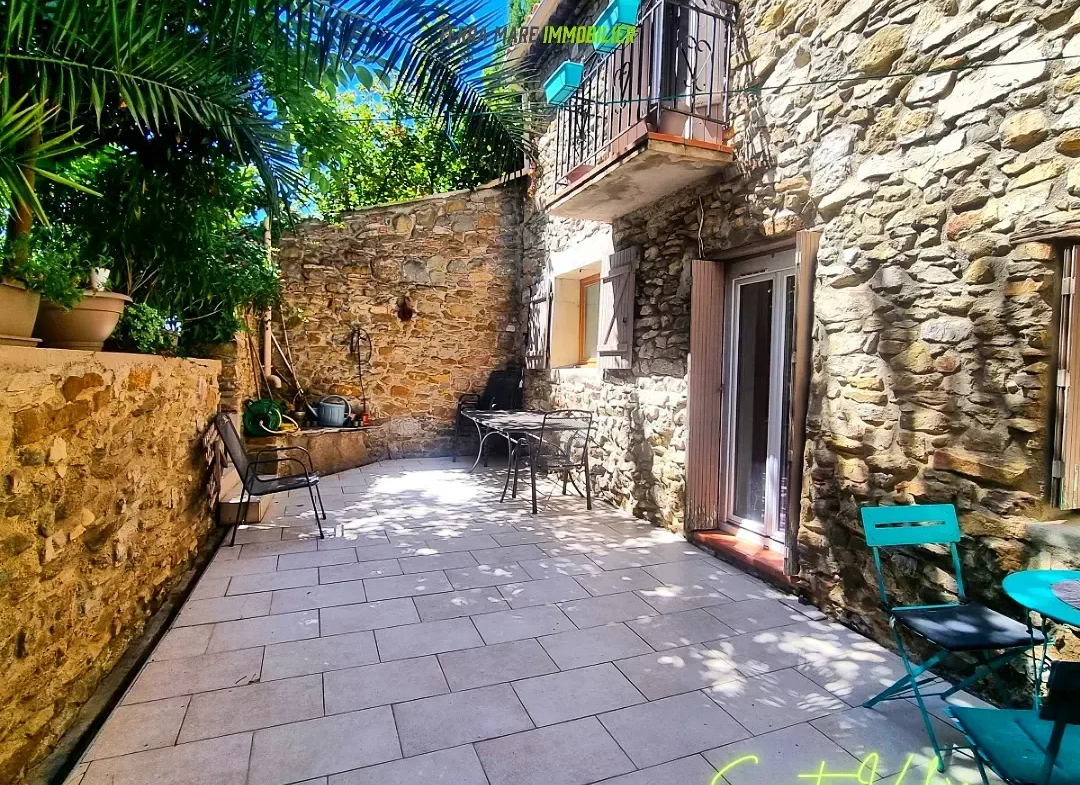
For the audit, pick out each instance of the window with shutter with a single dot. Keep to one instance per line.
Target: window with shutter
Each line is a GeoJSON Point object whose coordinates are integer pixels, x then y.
{"type": "Point", "coordinates": [1065, 489]}
{"type": "Point", "coordinates": [537, 340]}
{"type": "Point", "coordinates": [615, 342]}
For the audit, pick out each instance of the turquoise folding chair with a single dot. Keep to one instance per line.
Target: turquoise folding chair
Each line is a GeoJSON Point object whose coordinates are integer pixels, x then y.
{"type": "Point", "coordinates": [963, 626]}
{"type": "Point", "coordinates": [1039, 746]}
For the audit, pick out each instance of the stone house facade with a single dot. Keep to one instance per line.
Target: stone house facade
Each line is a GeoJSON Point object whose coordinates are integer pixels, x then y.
{"type": "Point", "coordinates": [917, 162]}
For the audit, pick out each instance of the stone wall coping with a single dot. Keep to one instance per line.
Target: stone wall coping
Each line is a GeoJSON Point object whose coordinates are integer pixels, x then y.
{"type": "Point", "coordinates": [30, 358]}
{"type": "Point", "coordinates": [500, 182]}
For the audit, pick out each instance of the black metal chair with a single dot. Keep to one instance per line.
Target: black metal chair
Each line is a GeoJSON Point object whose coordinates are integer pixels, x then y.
{"type": "Point", "coordinates": [505, 390]}
{"type": "Point", "coordinates": [255, 484]}
{"type": "Point", "coordinates": [561, 447]}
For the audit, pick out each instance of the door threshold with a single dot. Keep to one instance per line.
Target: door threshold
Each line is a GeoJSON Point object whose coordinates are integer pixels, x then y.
{"type": "Point", "coordinates": [768, 564]}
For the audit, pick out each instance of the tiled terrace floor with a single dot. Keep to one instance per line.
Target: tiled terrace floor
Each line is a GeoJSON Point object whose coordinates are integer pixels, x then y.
{"type": "Point", "coordinates": [437, 636]}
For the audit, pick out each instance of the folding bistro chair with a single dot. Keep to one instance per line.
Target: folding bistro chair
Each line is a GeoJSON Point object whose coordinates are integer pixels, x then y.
{"type": "Point", "coordinates": [963, 626]}
{"type": "Point", "coordinates": [1039, 746]}
{"type": "Point", "coordinates": [560, 447]}
{"type": "Point", "coordinates": [505, 391]}
{"type": "Point", "coordinates": [255, 484]}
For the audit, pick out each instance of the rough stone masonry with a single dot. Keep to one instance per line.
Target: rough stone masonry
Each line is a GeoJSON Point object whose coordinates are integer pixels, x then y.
{"type": "Point", "coordinates": [934, 332]}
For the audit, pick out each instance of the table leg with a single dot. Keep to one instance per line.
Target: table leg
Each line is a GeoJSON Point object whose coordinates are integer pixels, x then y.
{"type": "Point", "coordinates": [479, 454]}
{"type": "Point", "coordinates": [532, 476]}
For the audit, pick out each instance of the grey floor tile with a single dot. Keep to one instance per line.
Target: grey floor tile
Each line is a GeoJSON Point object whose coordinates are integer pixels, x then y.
{"type": "Point", "coordinates": [329, 745]}
{"type": "Point", "coordinates": [677, 599]}
{"type": "Point", "coordinates": [578, 648]}
{"type": "Point", "coordinates": [781, 756]}
{"type": "Point", "coordinates": [258, 549]}
{"type": "Point", "coordinates": [183, 642]}
{"type": "Point", "coordinates": [208, 588]}
{"type": "Point", "coordinates": [502, 662]}
{"type": "Point", "coordinates": [268, 581]}
{"type": "Point", "coordinates": [775, 700]}
{"type": "Point", "coordinates": [264, 630]}
{"type": "Point", "coordinates": [308, 598]}
{"type": "Point", "coordinates": [694, 770]}
{"type": "Point", "coordinates": [574, 694]}
{"type": "Point", "coordinates": [622, 558]}
{"type": "Point", "coordinates": [297, 561]}
{"type": "Point", "coordinates": [515, 537]}
{"type": "Point", "coordinates": [170, 678]}
{"type": "Point", "coordinates": [367, 616]}
{"type": "Point", "coordinates": [452, 605]}
{"type": "Point", "coordinates": [672, 630]}
{"type": "Point", "coordinates": [553, 567]}
{"type": "Point", "coordinates": [543, 592]}
{"type": "Point", "coordinates": [459, 718]}
{"type": "Point", "coordinates": [765, 651]}
{"type": "Point", "coordinates": [755, 615]}
{"type": "Point", "coordinates": [407, 585]}
{"type": "Point", "coordinates": [433, 637]}
{"type": "Point", "coordinates": [383, 684]}
{"type": "Point", "coordinates": [692, 572]}
{"type": "Point", "coordinates": [671, 728]}
{"type": "Point", "coordinates": [219, 568]}
{"type": "Point", "coordinates": [516, 624]}
{"type": "Point", "coordinates": [257, 533]}
{"type": "Point", "coordinates": [222, 761]}
{"type": "Point", "coordinates": [338, 573]}
{"type": "Point", "coordinates": [457, 766]}
{"type": "Point", "coordinates": [223, 609]}
{"type": "Point", "coordinates": [894, 730]}
{"type": "Point", "coordinates": [299, 658]}
{"type": "Point", "coordinates": [674, 671]}
{"type": "Point", "coordinates": [437, 561]}
{"type": "Point", "coordinates": [251, 707]}
{"type": "Point", "coordinates": [380, 552]}
{"type": "Point", "coordinates": [509, 554]}
{"type": "Point", "coordinates": [617, 581]}
{"type": "Point", "coordinates": [607, 609]}
{"type": "Point", "coordinates": [573, 753]}
{"type": "Point", "coordinates": [139, 727]}
{"type": "Point", "coordinates": [743, 587]}
{"type": "Point", "coordinates": [485, 575]}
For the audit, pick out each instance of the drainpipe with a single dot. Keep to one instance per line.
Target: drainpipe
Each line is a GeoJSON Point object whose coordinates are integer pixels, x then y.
{"type": "Point", "coordinates": [267, 350]}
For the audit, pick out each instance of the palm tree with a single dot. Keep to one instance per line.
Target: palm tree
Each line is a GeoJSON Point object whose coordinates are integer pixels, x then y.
{"type": "Point", "coordinates": [232, 71]}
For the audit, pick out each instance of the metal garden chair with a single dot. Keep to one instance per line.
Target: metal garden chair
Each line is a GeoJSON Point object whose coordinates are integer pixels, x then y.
{"type": "Point", "coordinates": [255, 484]}
{"type": "Point", "coordinates": [956, 627]}
{"type": "Point", "coordinates": [1038, 746]}
{"type": "Point", "coordinates": [560, 447]}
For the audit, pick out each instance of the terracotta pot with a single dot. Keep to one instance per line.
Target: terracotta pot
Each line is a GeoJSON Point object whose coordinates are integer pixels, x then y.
{"type": "Point", "coordinates": [18, 310]}
{"type": "Point", "coordinates": [86, 326]}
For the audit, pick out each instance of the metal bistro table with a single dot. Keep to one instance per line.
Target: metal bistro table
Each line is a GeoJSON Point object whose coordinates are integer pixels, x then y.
{"type": "Point", "coordinates": [516, 424]}
{"type": "Point", "coordinates": [1035, 591]}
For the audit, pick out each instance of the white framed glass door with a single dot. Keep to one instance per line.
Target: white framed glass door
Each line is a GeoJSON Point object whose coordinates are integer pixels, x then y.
{"type": "Point", "coordinates": [757, 384]}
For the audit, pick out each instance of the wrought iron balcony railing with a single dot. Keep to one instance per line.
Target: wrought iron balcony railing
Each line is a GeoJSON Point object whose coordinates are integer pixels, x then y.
{"type": "Point", "coordinates": [672, 79]}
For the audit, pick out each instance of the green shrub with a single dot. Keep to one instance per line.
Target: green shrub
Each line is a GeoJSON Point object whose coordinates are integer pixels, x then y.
{"type": "Point", "coordinates": [142, 329]}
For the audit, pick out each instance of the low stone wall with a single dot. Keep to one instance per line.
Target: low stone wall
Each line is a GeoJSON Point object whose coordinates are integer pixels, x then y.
{"type": "Point", "coordinates": [101, 507]}
{"type": "Point", "coordinates": [332, 450]}
{"type": "Point", "coordinates": [431, 281]}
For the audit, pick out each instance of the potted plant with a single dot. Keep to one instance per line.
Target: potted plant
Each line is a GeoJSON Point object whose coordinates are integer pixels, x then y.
{"type": "Point", "coordinates": [18, 309]}
{"type": "Point", "coordinates": [71, 315]}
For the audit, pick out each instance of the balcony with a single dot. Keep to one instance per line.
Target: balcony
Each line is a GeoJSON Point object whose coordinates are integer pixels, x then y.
{"type": "Point", "coordinates": [650, 117]}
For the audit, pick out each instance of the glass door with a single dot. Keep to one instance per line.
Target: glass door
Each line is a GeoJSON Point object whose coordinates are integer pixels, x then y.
{"type": "Point", "coordinates": [757, 381]}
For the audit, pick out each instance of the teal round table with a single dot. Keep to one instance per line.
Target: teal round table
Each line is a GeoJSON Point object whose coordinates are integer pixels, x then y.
{"type": "Point", "coordinates": [1034, 590]}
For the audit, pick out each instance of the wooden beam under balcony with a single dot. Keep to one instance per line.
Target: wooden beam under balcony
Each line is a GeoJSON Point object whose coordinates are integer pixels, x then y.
{"type": "Point", "coordinates": [656, 166]}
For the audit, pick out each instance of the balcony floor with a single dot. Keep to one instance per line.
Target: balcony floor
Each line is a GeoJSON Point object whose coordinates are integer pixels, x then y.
{"type": "Point", "coordinates": [437, 635]}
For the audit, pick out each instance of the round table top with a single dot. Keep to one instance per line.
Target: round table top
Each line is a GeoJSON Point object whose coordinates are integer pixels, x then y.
{"type": "Point", "coordinates": [1034, 590]}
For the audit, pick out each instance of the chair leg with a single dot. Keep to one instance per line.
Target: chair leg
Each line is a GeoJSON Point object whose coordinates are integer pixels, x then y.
{"type": "Point", "coordinates": [919, 699]}
{"type": "Point", "coordinates": [588, 481]}
{"type": "Point", "coordinates": [517, 469]}
{"type": "Point", "coordinates": [315, 507]}
{"type": "Point", "coordinates": [565, 477]}
{"type": "Point", "coordinates": [509, 468]}
{"type": "Point", "coordinates": [318, 495]}
{"type": "Point", "coordinates": [532, 479]}
{"type": "Point", "coordinates": [241, 514]}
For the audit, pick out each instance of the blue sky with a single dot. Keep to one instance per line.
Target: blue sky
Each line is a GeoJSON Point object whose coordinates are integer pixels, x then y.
{"type": "Point", "coordinates": [500, 7]}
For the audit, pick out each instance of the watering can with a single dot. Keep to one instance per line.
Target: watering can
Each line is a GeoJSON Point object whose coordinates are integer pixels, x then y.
{"type": "Point", "coordinates": [332, 411]}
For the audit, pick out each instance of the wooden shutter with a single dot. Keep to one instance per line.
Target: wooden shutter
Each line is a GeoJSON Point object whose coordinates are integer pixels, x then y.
{"type": "Point", "coordinates": [538, 337]}
{"type": "Point", "coordinates": [1066, 466]}
{"type": "Point", "coordinates": [806, 247]}
{"type": "Point", "coordinates": [615, 343]}
{"type": "Point", "coordinates": [706, 395]}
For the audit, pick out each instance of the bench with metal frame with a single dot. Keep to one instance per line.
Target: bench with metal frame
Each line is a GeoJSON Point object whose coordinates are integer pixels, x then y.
{"type": "Point", "coordinates": [255, 484]}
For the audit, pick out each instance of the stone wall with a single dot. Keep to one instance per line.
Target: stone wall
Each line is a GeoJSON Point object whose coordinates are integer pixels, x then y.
{"type": "Point", "coordinates": [934, 337]}
{"type": "Point", "coordinates": [101, 506]}
{"type": "Point", "coordinates": [431, 281]}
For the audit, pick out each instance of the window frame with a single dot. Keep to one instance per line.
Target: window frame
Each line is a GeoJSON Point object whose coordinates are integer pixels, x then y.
{"type": "Point", "coordinates": [584, 283]}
